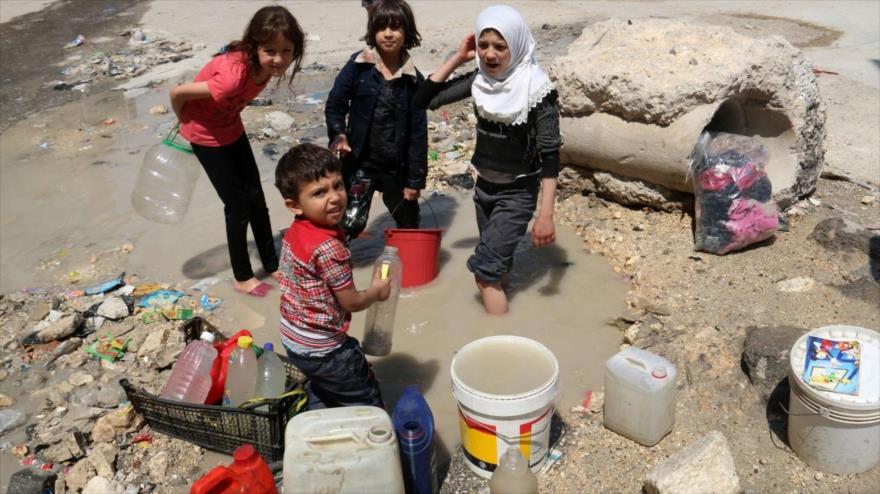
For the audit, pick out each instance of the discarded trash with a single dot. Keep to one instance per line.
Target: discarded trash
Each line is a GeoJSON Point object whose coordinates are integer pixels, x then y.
{"type": "Point", "coordinates": [177, 313]}
{"type": "Point", "coordinates": [10, 419]}
{"type": "Point", "coordinates": [109, 121]}
{"type": "Point", "coordinates": [209, 302]}
{"type": "Point", "coordinates": [204, 283]}
{"type": "Point", "coordinates": [106, 286]}
{"type": "Point", "coordinates": [145, 288]}
{"type": "Point", "coordinates": [78, 41]}
{"type": "Point", "coordinates": [260, 102]}
{"type": "Point", "coordinates": [108, 348]}
{"type": "Point", "coordinates": [150, 316]}
{"type": "Point", "coordinates": [64, 348]}
{"type": "Point", "coordinates": [143, 437]}
{"type": "Point", "coordinates": [137, 37]}
{"type": "Point", "coordinates": [158, 110]}
{"type": "Point", "coordinates": [270, 150]}
{"type": "Point", "coordinates": [734, 204]}
{"type": "Point", "coordinates": [432, 155]}
{"type": "Point", "coordinates": [279, 121]}
{"type": "Point", "coordinates": [45, 144]}
{"type": "Point", "coordinates": [160, 298]}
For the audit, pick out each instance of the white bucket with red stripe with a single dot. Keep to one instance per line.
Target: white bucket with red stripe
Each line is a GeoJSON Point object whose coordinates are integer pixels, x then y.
{"type": "Point", "coordinates": [505, 387]}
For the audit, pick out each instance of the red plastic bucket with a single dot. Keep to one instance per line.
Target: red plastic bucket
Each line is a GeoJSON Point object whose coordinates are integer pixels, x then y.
{"type": "Point", "coordinates": [419, 250]}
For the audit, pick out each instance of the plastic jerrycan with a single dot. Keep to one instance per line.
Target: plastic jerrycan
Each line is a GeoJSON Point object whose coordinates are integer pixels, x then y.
{"type": "Point", "coordinates": [414, 426]}
{"type": "Point", "coordinates": [346, 450]}
{"type": "Point", "coordinates": [379, 326]}
{"type": "Point", "coordinates": [190, 379]}
{"type": "Point", "coordinates": [248, 474]}
{"type": "Point", "coordinates": [166, 180]}
{"type": "Point", "coordinates": [639, 395]}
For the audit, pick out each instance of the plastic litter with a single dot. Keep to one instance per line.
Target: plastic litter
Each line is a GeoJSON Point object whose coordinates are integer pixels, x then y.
{"type": "Point", "coordinates": [177, 313]}
{"type": "Point", "coordinates": [10, 419]}
{"type": "Point", "coordinates": [209, 302]}
{"type": "Point", "coordinates": [108, 348]}
{"type": "Point", "coordinates": [106, 286]}
{"type": "Point", "coordinates": [78, 41]}
{"type": "Point", "coordinates": [160, 298]}
{"type": "Point", "coordinates": [145, 289]}
{"type": "Point", "coordinates": [204, 283]}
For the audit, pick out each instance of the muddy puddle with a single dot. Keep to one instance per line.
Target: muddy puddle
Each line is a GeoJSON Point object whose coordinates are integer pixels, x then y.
{"type": "Point", "coordinates": [65, 197]}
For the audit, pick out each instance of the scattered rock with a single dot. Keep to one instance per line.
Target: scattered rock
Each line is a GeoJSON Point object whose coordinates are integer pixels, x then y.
{"type": "Point", "coordinates": [39, 311]}
{"type": "Point", "coordinates": [80, 378]}
{"type": "Point", "coordinates": [60, 329]}
{"type": "Point", "coordinates": [31, 481]}
{"type": "Point", "coordinates": [704, 465]}
{"type": "Point", "coordinates": [113, 308]}
{"type": "Point", "coordinates": [868, 200]}
{"type": "Point", "coordinates": [65, 450]}
{"type": "Point", "coordinates": [158, 466]}
{"type": "Point", "coordinates": [103, 457]}
{"type": "Point", "coordinates": [111, 424]}
{"type": "Point", "coordinates": [10, 418]}
{"type": "Point", "coordinates": [279, 121]}
{"type": "Point", "coordinates": [158, 110]}
{"type": "Point", "coordinates": [6, 401]}
{"type": "Point", "coordinates": [98, 485]}
{"type": "Point", "coordinates": [796, 285]}
{"type": "Point", "coordinates": [76, 478]}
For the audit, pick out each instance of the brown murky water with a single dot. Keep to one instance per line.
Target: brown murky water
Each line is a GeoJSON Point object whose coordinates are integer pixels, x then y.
{"type": "Point", "coordinates": [61, 205]}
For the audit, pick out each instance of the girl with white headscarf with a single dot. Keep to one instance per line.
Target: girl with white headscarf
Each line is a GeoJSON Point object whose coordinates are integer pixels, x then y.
{"type": "Point", "coordinates": [518, 141]}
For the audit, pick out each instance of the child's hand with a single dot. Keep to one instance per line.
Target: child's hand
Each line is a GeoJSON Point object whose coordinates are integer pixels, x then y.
{"type": "Point", "coordinates": [340, 146]}
{"type": "Point", "coordinates": [383, 287]}
{"type": "Point", "coordinates": [543, 232]}
{"type": "Point", "coordinates": [411, 194]}
{"type": "Point", "coordinates": [467, 50]}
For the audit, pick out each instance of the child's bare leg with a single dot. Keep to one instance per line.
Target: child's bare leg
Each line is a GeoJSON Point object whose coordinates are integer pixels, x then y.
{"type": "Point", "coordinates": [494, 298]}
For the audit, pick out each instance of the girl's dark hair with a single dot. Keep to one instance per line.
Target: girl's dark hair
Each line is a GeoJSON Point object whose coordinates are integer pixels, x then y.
{"type": "Point", "coordinates": [394, 14]}
{"type": "Point", "coordinates": [265, 25]}
{"type": "Point", "coordinates": [303, 164]}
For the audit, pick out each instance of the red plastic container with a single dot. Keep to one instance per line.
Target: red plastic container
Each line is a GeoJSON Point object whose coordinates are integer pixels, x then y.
{"type": "Point", "coordinates": [248, 474]}
{"type": "Point", "coordinates": [221, 363]}
{"type": "Point", "coordinates": [419, 250]}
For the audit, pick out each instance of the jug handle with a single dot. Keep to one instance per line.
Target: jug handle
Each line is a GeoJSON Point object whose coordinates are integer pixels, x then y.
{"type": "Point", "coordinates": [637, 362]}
{"type": "Point", "coordinates": [335, 437]}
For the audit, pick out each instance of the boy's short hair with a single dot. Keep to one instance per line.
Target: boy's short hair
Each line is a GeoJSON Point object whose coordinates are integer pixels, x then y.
{"type": "Point", "coordinates": [397, 14]}
{"type": "Point", "coordinates": [303, 164]}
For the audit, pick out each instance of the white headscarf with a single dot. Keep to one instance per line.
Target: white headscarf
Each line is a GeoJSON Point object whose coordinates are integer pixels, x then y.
{"type": "Point", "coordinates": [523, 85]}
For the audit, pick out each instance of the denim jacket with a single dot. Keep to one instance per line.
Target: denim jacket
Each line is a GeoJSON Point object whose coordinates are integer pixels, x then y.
{"type": "Point", "coordinates": [354, 96]}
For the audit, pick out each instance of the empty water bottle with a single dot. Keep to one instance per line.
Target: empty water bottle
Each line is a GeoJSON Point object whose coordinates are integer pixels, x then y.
{"type": "Point", "coordinates": [271, 375]}
{"type": "Point", "coordinates": [166, 180]}
{"type": "Point", "coordinates": [380, 315]}
{"type": "Point", "coordinates": [190, 379]}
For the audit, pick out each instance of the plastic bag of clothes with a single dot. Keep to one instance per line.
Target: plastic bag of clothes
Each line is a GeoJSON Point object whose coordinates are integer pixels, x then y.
{"type": "Point", "coordinates": [733, 195]}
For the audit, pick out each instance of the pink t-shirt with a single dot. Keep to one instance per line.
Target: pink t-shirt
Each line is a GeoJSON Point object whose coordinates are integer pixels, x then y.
{"type": "Point", "coordinates": [216, 121]}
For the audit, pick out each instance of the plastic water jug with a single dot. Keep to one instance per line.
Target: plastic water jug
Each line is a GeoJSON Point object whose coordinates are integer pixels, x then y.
{"type": "Point", "coordinates": [248, 474]}
{"type": "Point", "coordinates": [380, 316]}
{"type": "Point", "coordinates": [640, 395]}
{"type": "Point", "coordinates": [513, 475]}
{"type": "Point", "coordinates": [271, 375]}
{"type": "Point", "coordinates": [414, 425]}
{"type": "Point", "coordinates": [190, 379]}
{"type": "Point", "coordinates": [166, 180]}
{"type": "Point", "coordinates": [347, 450]}
{"type": "Point", "coordinates": [241, 377]}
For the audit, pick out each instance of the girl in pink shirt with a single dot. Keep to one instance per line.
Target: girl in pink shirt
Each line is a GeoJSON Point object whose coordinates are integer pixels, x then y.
{"type": "Point", "coordinates": [209, 110]}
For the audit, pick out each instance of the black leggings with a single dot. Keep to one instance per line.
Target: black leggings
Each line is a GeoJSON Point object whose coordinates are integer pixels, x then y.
{"type": "Point", "coordinates": [233, 172]}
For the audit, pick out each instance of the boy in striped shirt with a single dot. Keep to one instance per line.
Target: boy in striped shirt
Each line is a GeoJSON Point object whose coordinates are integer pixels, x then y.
{"type": "Point", "coordinates": [317, 290]}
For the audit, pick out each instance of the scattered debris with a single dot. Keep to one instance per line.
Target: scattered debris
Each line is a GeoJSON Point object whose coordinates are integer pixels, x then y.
{"type": "Point", "coordinates": [158, 110]}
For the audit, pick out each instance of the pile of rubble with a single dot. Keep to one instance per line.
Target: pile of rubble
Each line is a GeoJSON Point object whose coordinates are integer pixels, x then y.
{"type": "Point", "coordinates": [64, 414]}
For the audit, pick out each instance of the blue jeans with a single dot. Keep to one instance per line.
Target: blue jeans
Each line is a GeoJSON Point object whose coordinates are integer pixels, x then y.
{"type": "Point", "coordinates": [341, 378]}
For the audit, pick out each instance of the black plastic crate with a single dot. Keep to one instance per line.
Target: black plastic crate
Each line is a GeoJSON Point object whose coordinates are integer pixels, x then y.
{"type": "Point", "coordinates": [223, 428]}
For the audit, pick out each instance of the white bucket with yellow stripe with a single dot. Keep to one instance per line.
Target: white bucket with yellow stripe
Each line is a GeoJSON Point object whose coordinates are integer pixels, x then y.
{"type": "Point", "coordinates": [505, 387]}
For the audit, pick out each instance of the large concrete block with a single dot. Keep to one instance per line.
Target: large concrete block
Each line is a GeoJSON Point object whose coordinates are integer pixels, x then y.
{"type": "Point", "coordinates": [635, 96]}
{"type": "Point", "coordinates": [703, 466]}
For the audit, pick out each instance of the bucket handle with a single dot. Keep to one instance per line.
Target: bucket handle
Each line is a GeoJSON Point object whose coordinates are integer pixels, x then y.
{"type": "Point", "coordinates": [170, 140]}
{"type": "Point", "coordinates": [433, 213]}
{"type": "Point", "coordinates": [823, 412]}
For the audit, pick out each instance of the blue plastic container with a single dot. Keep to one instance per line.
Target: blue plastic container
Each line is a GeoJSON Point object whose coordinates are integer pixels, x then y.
{"type": "Point", "coordinates": [414, 425]}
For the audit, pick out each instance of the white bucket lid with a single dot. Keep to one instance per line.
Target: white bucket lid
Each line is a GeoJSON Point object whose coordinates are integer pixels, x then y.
{"type": "Point", "coordinates": [505, 405]}
{"type": "Point", "coordinates": [869, 366]}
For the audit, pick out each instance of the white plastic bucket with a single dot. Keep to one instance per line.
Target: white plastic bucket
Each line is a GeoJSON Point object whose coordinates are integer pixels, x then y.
{"type": "Point", "coordinates": [833, 432]}
{"type": "Point", "coordinates": [493, 414]}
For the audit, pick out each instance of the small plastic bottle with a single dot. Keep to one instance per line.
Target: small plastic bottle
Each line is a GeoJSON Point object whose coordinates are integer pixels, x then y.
{"type": "Point", "coordinates": [241, 378]}
{"type": "Point", "coordinates": [190, 379]}
{"type": "Point", "coordinates": [380, 316]}
{"type": "Point", "coordinates": [271, 375]}
{"type": "Point", "coordinates": [166, 180]}
{"type": "Point", "coordinates": [513, 475]}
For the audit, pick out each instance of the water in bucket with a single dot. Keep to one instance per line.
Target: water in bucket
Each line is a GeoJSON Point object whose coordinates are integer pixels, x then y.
{"type": "Point", "coordinates": [166, 181]}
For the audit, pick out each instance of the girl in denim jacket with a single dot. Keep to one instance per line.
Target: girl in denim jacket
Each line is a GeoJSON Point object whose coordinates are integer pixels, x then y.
{"type": "Point", "coordinates": [372, 124]}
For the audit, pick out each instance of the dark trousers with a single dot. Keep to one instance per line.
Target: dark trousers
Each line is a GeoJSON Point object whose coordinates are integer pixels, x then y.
{"type": "Point", "coordinates": [387, 180]}
{"type": "Point", "coordinates": [341, 378]}
{"type": "Point", "coordinates": [233, 172]}
{"type": "Point", "coordinates": [503, 215]}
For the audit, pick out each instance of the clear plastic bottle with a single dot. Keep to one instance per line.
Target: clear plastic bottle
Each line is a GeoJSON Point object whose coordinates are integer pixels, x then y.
{"type": "Point", "coordinates": [380, 315]}
{"type": "Point", "coordinates": [513, 475]}
{"type": "Point", "coordinates": [166, 180]}
{"type": "Point", "coordinates": [190, 379]}
{"type": "Point", "coordinates": [241, 378]}
{"type": "Point", "coordinates": [271, 375]}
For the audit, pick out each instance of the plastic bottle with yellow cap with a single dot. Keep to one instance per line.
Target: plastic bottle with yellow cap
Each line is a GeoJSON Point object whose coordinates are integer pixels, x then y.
{"type": "Point", "coordinates": [241, 378]}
